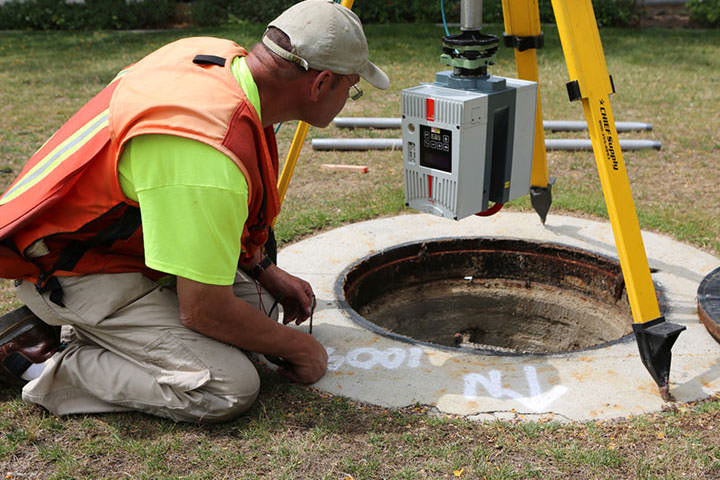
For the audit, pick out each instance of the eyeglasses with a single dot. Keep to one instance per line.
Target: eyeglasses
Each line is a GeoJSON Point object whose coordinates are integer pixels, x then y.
{"type": "Point", "coordinates": [355, 92]}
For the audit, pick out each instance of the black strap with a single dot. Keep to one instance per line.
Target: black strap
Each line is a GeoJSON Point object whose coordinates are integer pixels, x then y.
{"type": "Point", "coordinates": [271, 246]}
{"type": "Point", "coordinates": [121, 229]}
{"type": "Point", "coordinates": [56, 292]}
{"type": "Point", "coordinates": [209, 60]}
{"type": "Point", "coordinates": [524, 43]}
{"type": "Point", "coordinates": [573, 89]}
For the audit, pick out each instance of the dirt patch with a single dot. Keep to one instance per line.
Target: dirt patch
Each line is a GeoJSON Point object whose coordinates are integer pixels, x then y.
{"type": "Point", "coordinates": [666, 16]}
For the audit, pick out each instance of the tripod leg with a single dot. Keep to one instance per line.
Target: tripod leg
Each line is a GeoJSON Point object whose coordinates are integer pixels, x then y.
{"type": "Point", "coordinates": [591, 83]}
{"type": "Point", "coordinates": [522, 31]}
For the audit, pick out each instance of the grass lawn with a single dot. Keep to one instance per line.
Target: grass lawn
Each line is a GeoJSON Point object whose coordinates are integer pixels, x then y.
{"type": "Point", "coordinates": [670, 78]}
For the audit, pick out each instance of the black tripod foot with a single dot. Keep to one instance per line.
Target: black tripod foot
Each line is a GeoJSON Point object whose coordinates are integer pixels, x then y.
{"type": "Point", "coordinates": [655, 340]}
{"type": "Point", "coordinates": [541, 199]}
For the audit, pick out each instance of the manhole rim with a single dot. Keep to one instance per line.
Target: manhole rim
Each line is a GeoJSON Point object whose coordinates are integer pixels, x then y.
{"type": "Point", "coordinates": [345, 307]}
{"type": "Point", "coordinates": [599, 385]}
{"type": "Point", "coordinates": [708, 313]}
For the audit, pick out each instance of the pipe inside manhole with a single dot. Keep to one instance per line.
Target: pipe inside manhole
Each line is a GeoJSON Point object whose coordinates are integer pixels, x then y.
{"type": "Point", "coordinates": [496, 296]}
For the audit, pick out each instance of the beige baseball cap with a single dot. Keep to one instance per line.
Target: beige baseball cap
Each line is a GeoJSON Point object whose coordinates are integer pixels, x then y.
{"type": "Point", "coordinates": [326, 36]}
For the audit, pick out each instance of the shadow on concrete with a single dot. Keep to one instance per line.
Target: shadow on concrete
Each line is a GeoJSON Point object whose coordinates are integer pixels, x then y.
{"type": "Point", "coordinates": [698, 386]}
{"type": "Point", "coordinates": [574, 232]}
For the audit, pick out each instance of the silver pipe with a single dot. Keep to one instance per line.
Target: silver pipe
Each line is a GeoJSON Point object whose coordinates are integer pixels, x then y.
{"type": "Point", "coordinates": [470, 14]}
{"type": "Point", "coordinates": [625, 144]}
{"type": "Point", "coordinates": [553, 125]}
{"type": "Point", "coordinates": [573, 126]}
{"type": "Point", "coordinates": [367, 122]}
{"type": "Point", "coordinates": [396, 144]}
{"type": "Point", "coordinates": [356, 144]}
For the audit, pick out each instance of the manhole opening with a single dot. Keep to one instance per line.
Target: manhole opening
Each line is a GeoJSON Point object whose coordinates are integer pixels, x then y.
{"type": "Point", "coordinates": [491, 296]}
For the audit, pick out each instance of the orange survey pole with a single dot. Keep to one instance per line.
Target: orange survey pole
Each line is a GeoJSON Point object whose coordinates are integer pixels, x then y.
{"type": "Point", "coordinates": [296, 145]}
{"type": "Point", "coordinates": [522, 32]}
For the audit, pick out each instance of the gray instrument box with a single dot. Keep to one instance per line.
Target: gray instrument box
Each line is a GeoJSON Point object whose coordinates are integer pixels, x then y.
{"type": "Point", "coordinates": [467, 142]}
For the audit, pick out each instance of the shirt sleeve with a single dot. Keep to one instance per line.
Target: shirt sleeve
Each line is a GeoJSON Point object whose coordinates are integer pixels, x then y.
{"type": "Point", "coordinates": [193, 205]}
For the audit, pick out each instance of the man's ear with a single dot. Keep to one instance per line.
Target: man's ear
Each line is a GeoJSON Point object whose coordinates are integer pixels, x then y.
{"type": "Point", "coordinates": [321, 85]}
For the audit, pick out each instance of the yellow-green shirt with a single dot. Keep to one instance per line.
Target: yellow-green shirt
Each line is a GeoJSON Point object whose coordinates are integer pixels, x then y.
{"type": "Point", "coordinates": [193, 200]}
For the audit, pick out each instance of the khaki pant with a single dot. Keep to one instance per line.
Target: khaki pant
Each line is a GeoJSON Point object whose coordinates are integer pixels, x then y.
{"type": "Point", "coordinates": [131, 352]}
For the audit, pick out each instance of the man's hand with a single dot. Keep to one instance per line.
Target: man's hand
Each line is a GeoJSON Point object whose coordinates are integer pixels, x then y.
{"type": "Point", "coordinates": [307, 367]}
{"type": "Point", "coordinates": [294, 294]}
{"type": "Point", "coordinates": [217, 313]}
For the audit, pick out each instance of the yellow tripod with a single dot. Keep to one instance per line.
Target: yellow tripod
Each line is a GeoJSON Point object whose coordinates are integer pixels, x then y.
{"type": "Point", "coordinates": [591, 83]}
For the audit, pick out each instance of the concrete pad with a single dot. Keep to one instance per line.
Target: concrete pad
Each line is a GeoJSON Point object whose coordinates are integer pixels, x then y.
{"type": "Point", "coordinates": [590, 385]}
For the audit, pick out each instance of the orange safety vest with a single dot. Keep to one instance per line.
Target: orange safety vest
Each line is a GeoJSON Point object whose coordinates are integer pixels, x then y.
{"type": "Point", "coordinates": [66, 213]}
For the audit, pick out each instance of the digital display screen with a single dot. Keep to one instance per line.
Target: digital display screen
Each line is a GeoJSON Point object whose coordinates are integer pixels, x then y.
{"type": "Point", "coordinates": [436, 148]}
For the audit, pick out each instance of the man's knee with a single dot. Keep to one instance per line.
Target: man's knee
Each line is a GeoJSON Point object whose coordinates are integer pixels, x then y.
{"type": "Point", "coordinates": [230, 393]}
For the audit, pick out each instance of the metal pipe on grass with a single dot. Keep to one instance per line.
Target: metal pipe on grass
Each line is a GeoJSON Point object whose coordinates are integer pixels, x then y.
{"type": "Point", "coordinates": [396, 144]}
{"type": "Point", "coordinates": [552, 125]}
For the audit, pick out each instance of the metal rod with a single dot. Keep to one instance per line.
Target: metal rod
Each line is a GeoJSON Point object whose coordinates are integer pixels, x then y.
{"type": "Point", "coordinates": [573, 126]}
{"type": "Point", "coordinates": [553, 125]}
{"type": "Point", "coordinates": [625, 144]}
{"type": "Point", "coordinates": [396, 144]}
{"type": "Point", "coordinates": [356, 144]}
{"type": "Point", "coordinates": [367, 122]}
{"type": "Point", "coordinates": [470, 15]}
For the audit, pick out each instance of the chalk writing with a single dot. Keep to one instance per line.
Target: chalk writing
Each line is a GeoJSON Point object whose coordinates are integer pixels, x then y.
{"type": "Point", "coordinates": [367, 358]}
{"type": "Point", "coordinates": [536, 401]}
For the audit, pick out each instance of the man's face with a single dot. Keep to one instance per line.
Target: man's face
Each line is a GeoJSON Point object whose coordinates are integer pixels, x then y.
{"type": "Point", "coordinates": [333, 99]}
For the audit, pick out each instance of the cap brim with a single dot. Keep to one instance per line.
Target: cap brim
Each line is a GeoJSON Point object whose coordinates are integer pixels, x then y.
{"type": "Point", "coordinates": [376, 77]}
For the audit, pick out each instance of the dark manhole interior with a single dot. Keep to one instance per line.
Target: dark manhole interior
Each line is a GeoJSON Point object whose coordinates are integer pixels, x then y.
{"type": "Point", "coordinates": [494, 296]}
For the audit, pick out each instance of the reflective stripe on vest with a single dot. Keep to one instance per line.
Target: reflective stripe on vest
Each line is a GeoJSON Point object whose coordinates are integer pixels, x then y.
{"type": "Point", "coordinates": [70, 142]}
{"type": "Point", "coordinates": [56, 157]}
{"type": "Point", "coordinates": [53, 170]}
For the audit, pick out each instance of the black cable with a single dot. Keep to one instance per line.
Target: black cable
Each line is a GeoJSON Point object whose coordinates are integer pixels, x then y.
{"type": "Point", "coordinates": [279, 361]}
{"type": "Point", "coordinates": [269, 314]}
